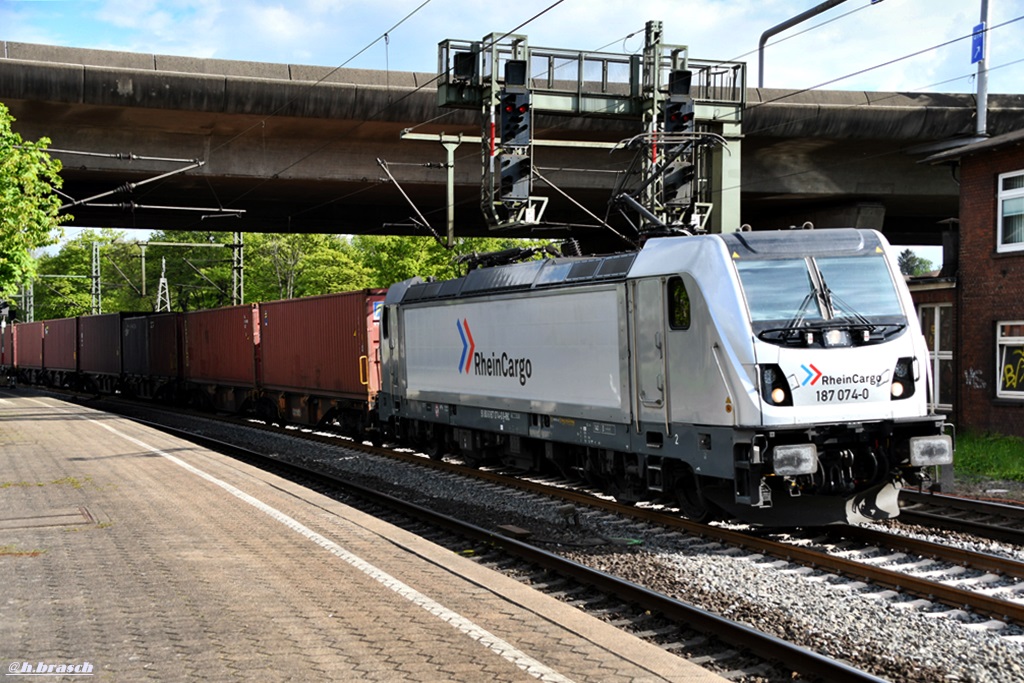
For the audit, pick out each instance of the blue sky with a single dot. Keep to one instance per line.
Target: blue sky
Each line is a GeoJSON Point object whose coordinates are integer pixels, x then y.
{"type": "Point", "coordinates": [332, 32]}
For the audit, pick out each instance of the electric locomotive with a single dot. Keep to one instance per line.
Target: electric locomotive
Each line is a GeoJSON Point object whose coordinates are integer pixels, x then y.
{"type": "Point", "coordinates": [777, 377]}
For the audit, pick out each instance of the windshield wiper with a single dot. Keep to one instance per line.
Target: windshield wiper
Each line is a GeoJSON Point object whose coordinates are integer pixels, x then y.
{"type": "Point", "coordinates": [849, 312]}
{"type": "Point", "coordinates": [797, 320]}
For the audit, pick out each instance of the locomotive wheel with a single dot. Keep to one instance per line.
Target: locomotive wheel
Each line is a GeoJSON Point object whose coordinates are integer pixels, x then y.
{"type": "Point", "coordinates": [436, 446]}
{"type": "Point", "coordinates": [689, 496]}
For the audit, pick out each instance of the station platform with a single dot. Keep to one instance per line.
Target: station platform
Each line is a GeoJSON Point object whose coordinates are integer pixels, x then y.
{"type": "Point", "coordinates": [129, 555]}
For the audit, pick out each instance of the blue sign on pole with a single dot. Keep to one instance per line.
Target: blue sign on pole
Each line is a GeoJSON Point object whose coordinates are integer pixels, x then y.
{"type": "Point", "coordinates": [978, 44]}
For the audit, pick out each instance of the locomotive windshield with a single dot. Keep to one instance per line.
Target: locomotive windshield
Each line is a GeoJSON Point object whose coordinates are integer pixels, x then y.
{"type": "Point", "coordinates": [798, 300]}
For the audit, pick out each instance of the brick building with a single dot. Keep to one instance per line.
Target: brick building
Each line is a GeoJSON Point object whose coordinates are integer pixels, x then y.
{"type": "Point", "coordinates": [989, 303]}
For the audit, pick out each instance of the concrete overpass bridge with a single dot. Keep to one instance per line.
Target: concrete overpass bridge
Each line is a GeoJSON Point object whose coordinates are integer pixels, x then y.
{"type": "Point", "coordinates": [295, 148]}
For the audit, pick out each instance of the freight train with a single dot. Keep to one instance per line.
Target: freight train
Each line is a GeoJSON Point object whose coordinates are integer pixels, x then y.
{"type": "Point", "coordinates": [778, 377]}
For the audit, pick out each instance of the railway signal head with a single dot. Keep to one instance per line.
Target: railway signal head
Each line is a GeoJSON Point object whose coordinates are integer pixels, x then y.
{"type": "Point", "coordinates": [679, 114]}
{"type": "Point", "coordinates": [678, 183]}
{"type": "Point", "coordinates": [515, 119]}
{"type": "Point", "coordinates": [515, 177]}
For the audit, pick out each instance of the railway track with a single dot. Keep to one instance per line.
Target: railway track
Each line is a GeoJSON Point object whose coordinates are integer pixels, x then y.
{"type": "Point", "coordinates": [988, 519]}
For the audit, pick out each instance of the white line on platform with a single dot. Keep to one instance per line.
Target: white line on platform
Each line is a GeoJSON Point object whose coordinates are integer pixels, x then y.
{"type": "Point", "coordinates": [481, 635]}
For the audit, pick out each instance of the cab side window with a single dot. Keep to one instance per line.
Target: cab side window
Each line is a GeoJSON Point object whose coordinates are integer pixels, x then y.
{"type": "Point", "coordinates": [678, 304]}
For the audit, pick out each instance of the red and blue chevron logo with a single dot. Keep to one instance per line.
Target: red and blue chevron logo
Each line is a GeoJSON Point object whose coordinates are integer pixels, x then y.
{"type": "Point", "coordinates": [813, 374]}
{"type": "Point", "coordinates": [468, 346]}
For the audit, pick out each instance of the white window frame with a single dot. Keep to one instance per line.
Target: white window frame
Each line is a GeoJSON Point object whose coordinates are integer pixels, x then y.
{"type": "Point", "coordinates": [1016, 366]}
{"type": "Point", "coordinates": [1001, 196]}
{"type": "Point", "coordinates": [936, 353]}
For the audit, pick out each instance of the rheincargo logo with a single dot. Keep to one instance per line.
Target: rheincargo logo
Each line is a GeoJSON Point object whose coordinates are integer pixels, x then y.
{"type": "Point", "coordinates": [813, 375]}
{"type": "Point", "coordinates": [490, 366]}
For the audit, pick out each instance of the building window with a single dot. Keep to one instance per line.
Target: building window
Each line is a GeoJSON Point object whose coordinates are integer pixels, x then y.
{"type": "Point", "coordinates": [1011, 212]}
{"type": "Point", "coordinates": [937, 325]}
{"type": "Point", "coordinates": [1010, 359]}
{"type": "Point", "coordinates": [678, 305]}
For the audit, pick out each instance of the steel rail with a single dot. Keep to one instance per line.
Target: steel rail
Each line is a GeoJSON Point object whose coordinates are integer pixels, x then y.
{"type": "Point", "coordinates": [931, 590]}
{"type": "Point", "coordinates": [914, 510]}
{"type": "Point", "coordinates": [975, 560]}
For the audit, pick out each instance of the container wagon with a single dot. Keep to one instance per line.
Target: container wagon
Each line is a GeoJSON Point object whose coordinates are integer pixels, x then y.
{"type": "Point", "coordinates": [319, 359]}
{"type": "Point", "coordinates": [220, 357]}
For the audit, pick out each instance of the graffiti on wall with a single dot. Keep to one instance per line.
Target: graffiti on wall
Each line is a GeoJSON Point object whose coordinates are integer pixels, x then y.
{"type": "Point", "coordinates": [1012, 376]}
{"type": "Point", "coordinates": [974, 379]}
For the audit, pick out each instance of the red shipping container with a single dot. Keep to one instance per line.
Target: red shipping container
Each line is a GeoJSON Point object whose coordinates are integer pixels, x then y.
{"type": "Point", "coordinates": [221, 346]}
{"type": "Point", "coordinates": [60, 344]}
{"type": "Point", "coordinates": [99, 344]}
{"type": "Point", "coordinates": [323, 345]}
{"type": "Point", "coordinates": [29, 348]}
{"type": "Point", "coordinates": [7, 346]}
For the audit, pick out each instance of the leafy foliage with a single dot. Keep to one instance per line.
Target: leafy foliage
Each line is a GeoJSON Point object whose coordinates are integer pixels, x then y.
{"type": "Point", "coordinates": [28, 207]}
{"type": "Point", "coordinates": [912, 264]}
{"type": "Point", "coordinates": [199, 275]}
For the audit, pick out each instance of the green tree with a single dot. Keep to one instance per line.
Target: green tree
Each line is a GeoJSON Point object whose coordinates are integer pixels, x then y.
{"type": "Point", "coordinates": [28, 206]}
{"type": "Point", "coordinates": [282, 266]}
{"type": "Point", "coordinates": [912, 264]}
{"type": "Point", "coordinates": [198, 277]}
{"type": "Point", "coordinates": [392, 259]}
{"type": "Point", "coordinates": [63, 285]}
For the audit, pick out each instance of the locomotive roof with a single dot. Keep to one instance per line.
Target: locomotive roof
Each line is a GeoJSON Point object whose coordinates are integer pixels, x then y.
{"type": "Point", "coordinates": [564, 272]}
{"type": "Point", "coordinates": [521, 276]}
{"type": "Point", "coordinates": [787, 243]}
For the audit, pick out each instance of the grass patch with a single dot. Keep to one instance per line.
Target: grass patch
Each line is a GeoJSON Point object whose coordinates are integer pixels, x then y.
{"type": "Point", "coordinates": [990, 455]}
{"type": "Point", "coordinates": [73, 482]}
{"type": "Point", "coordinates": [14, 551]}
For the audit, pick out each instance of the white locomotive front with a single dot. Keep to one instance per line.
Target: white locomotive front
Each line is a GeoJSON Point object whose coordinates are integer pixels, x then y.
{"type": "Point", "coordinates": [778, 377]}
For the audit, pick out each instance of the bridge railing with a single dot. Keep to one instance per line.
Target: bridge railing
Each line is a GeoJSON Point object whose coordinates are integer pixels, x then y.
{"type": "Point", "coordinates": [574, 82]}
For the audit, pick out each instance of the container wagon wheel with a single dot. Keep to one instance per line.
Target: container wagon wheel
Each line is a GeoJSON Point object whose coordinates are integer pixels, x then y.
{"type": "Point", "coordinates": [266, 410]}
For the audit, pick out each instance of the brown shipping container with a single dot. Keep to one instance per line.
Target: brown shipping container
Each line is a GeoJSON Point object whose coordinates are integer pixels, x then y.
{"type": "Point", "coordinates": [29, 349]}
{"type": "Point", "coordinates": [7, 346]}
{"type": "Point", "coordinates": [60, 344]}
{"type": "Point", "coordinates": [323, 345]}
{"type": "Point", "coordinates": [220, 346]}
{"type": "Point", "coordinates": [99, 344]}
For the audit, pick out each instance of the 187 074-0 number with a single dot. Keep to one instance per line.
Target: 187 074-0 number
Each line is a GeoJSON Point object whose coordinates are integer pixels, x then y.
{"type": "Point", "coordinates": [837, 395]}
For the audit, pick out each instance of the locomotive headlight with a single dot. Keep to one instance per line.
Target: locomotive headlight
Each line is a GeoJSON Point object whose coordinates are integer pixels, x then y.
{"type": "Point", "coordinates": [796, 459]}
{"type": "Point", "coordinates": [931, 450]}
{"type": "Point", "coordinates": [834, 338]}
{"type": "Point", "coordinates": [903, 378]}
{"type": "Point", "coordinates": [774, 386]}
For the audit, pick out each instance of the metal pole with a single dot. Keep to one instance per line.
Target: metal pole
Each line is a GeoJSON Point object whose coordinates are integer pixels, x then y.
{"type": "Point", "coordinates": [981, 126]}
{"type": "Point", "coordinates": [97, 300]}
{"type": "Point", "coordinates": [450, 147]}
{"type": "Point", "coordinates": [789, 23]}
{"type": "Point", "coordinates": [237, 271]}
